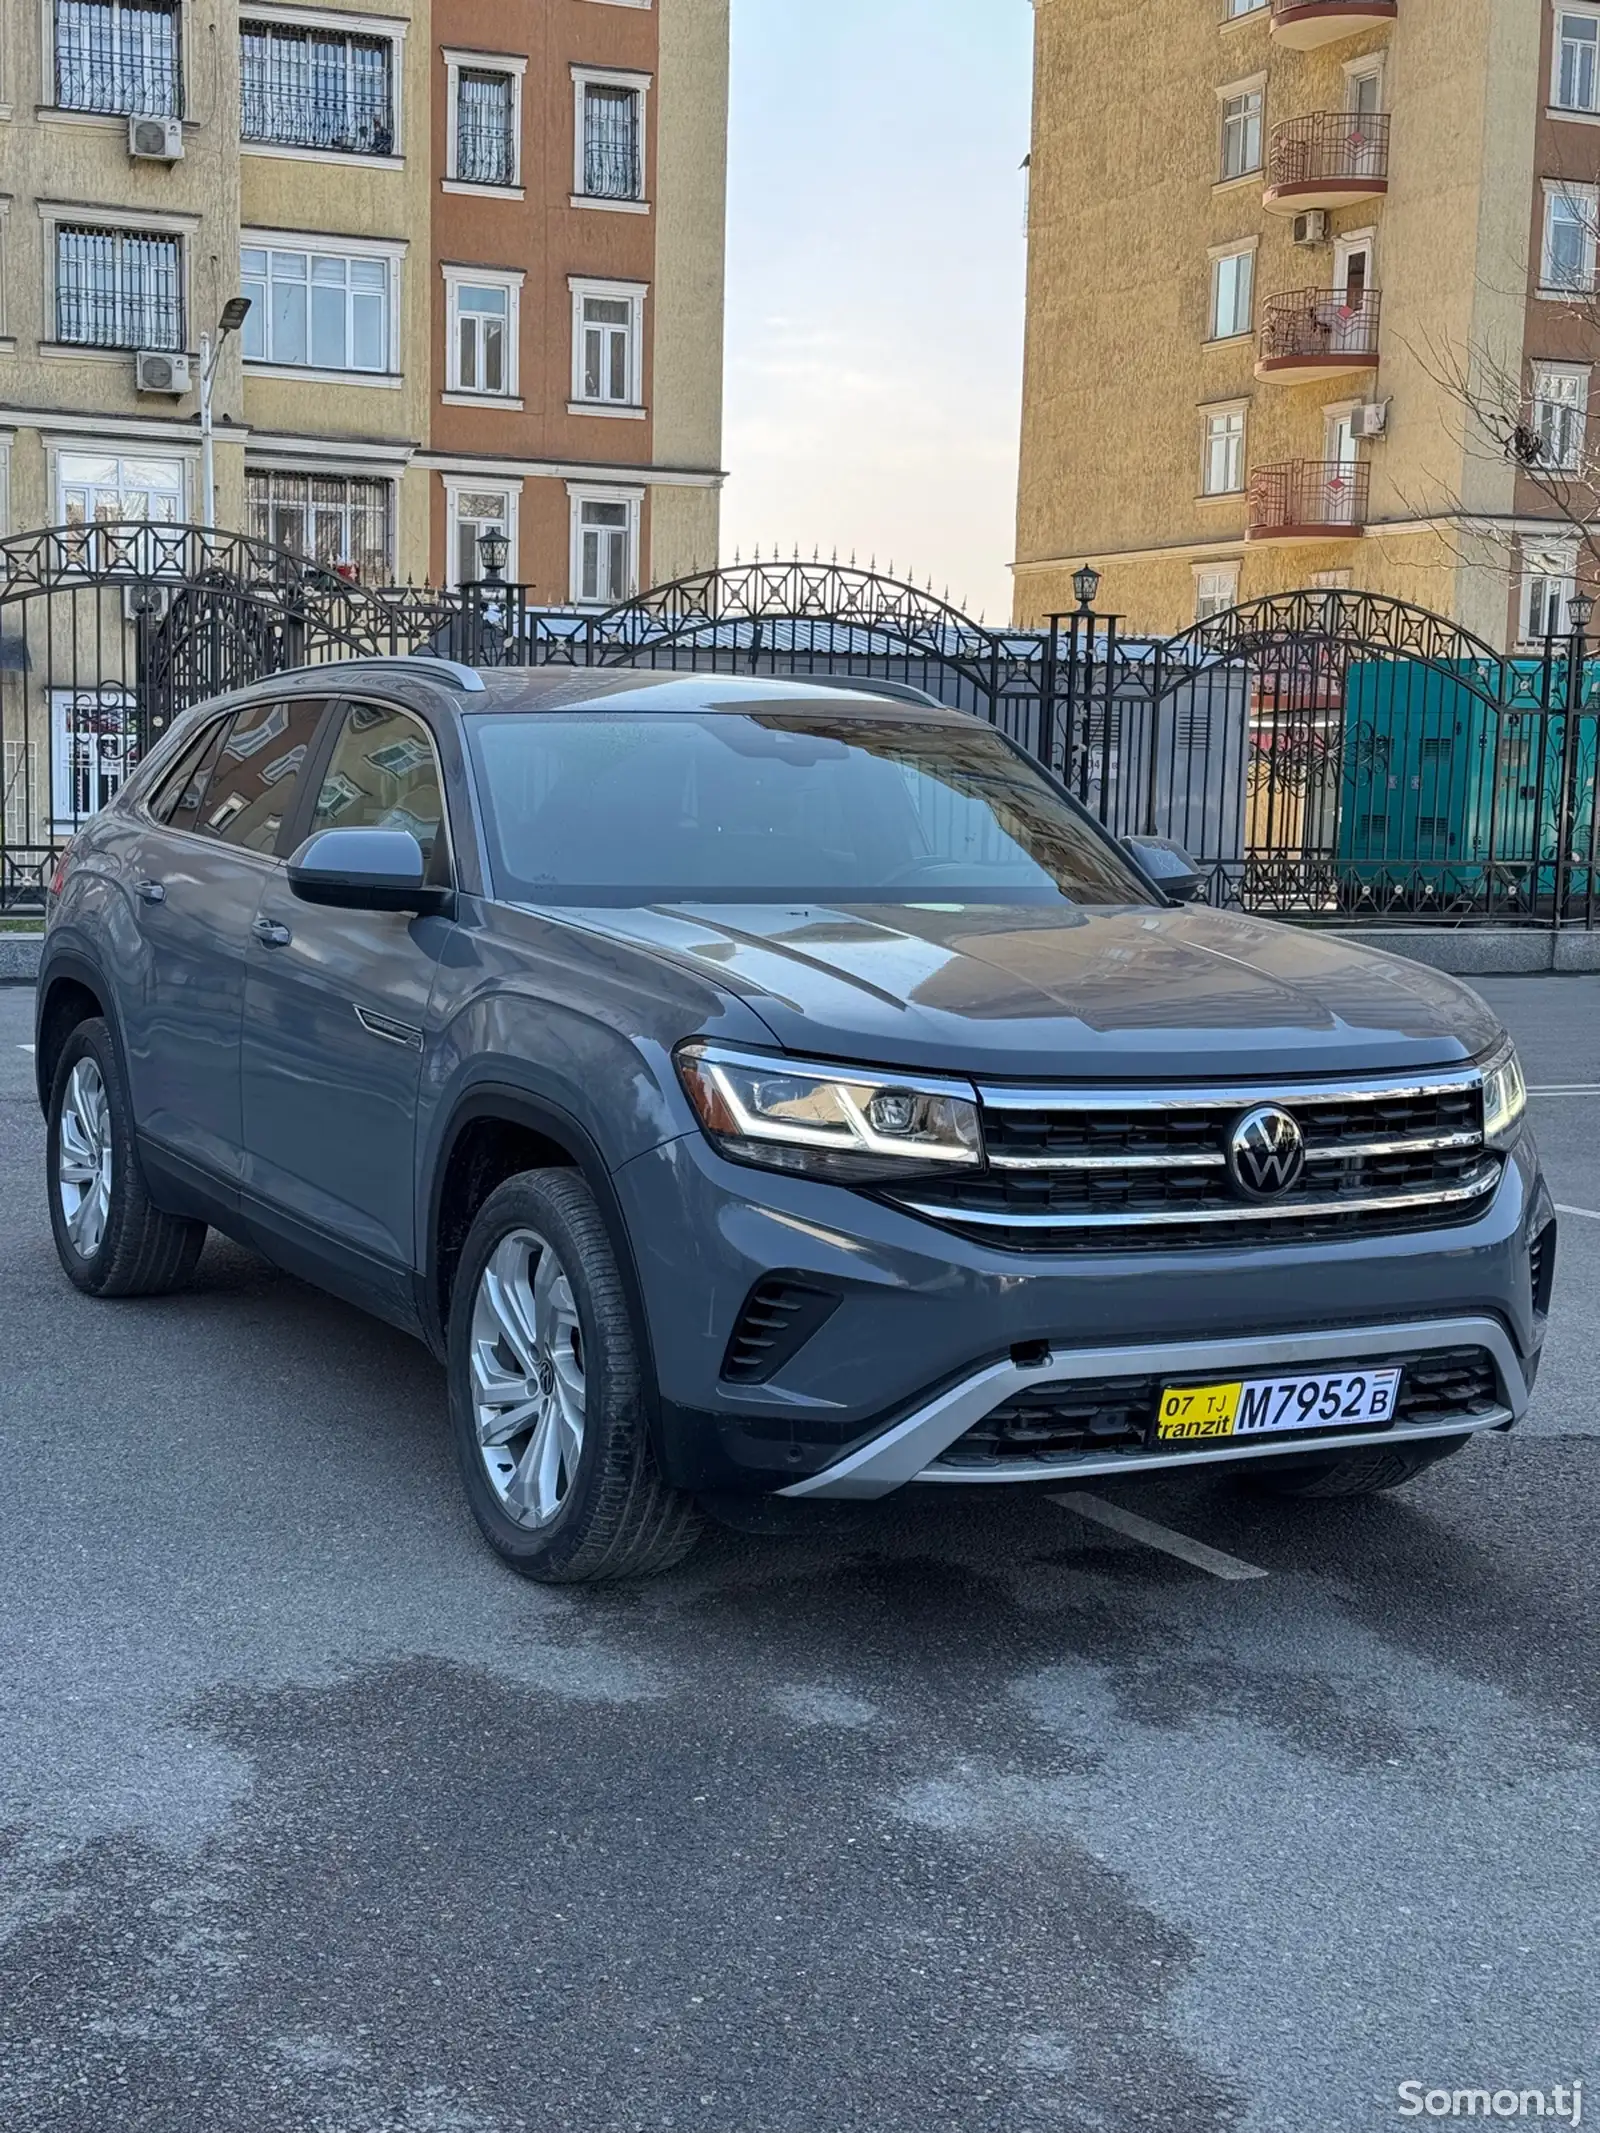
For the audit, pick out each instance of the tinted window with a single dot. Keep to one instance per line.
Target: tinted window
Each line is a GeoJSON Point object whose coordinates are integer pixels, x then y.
{"type": "Point", "coordinates": [176, 800]}
{"type": "Point", "coordinates": [253, 785]}
{"type": "Point", "coordinates": [383, 774]}
{"type": "Point", "coordinates": [787, 804]}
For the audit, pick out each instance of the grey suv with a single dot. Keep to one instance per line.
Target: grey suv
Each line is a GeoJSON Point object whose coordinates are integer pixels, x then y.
{"type": "Point", "coordinates": [756, 1088]}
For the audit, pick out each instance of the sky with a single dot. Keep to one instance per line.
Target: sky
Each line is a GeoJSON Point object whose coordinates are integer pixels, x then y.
{"type": "Point", "coordinates": [875, 284]}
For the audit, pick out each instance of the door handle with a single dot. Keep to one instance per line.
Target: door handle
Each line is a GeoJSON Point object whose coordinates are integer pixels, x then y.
{"type": "Point", "coordinates": [271, 934]}
{"type": "Point", "coordinates": [152, 892]}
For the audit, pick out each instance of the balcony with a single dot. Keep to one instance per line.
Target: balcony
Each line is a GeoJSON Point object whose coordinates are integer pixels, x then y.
{"type": "Point", "coordinates": [1330, 159]}
{"type": "Point", "coordinates": [1302, 25]}
{"type": "Point", "coordinates": [1309, 500]}
{"type": "Point", "coordinates": [1318, 333]}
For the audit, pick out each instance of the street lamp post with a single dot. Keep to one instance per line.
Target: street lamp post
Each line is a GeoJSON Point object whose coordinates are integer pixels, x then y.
{"type": "Point", "coordinates": [232, 318]}
{"type": "Point", "coordinates": [1580, 611]}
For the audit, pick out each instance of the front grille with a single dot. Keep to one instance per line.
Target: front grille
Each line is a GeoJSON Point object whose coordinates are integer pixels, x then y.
{"type": "Point", "coordinates": [1048, 1423]}
{"type": "Point", "coordinates": [1148, 1169]}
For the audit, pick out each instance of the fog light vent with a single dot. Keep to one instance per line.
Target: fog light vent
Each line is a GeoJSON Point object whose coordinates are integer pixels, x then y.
{"type": "Point", "coordinates": [779, 1316]}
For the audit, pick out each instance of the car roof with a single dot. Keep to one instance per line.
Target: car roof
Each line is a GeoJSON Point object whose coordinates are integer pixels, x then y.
{"type": "Point", "coordinates": [646, 688]}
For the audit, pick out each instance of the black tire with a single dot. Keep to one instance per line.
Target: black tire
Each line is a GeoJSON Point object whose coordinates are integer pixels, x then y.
{"type": "Point", "coordinates": [140, 1250]}
{"type": "Point", "coordinates": [1363, 1473]}
{"type": "Point", "coordinates": [617, 1518]}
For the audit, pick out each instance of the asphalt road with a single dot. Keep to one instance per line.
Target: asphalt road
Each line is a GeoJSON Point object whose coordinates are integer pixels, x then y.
{"type": "Point", "coordinates": [980, 1817]}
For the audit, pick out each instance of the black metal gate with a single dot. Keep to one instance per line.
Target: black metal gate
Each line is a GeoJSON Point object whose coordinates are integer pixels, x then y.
{"type": "Point", "coordinates": [1327, 756]}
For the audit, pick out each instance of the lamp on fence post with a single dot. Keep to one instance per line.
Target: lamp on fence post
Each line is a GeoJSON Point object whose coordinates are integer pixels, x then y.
{"type": "Point", "coordinates": [232, 317]}
{"type": "Point", "coordinates": [1086, 587]}
{"type": "Point", "coordinates": [490, 601]}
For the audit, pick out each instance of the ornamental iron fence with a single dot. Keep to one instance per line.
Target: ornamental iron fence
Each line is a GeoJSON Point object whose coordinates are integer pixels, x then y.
{"type": "Point", "coordinates": [1329, 757]}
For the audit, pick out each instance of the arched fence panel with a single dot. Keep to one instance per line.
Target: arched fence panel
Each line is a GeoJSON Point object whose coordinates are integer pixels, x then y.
{"type": "Point", "coordinates": [1329, 757]}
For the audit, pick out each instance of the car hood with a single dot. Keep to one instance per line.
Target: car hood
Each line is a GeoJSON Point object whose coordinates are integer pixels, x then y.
{"type": "Point", "coordinates": [1122, 994]}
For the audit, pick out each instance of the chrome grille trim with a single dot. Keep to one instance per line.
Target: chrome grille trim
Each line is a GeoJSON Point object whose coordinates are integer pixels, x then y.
{"type": "Point", "coordinates": [1289, 1209]}
{"type": "Point", "coordinates": [1201, 1096]}
{"type": "Point", "coordinates": [1316, 1152]}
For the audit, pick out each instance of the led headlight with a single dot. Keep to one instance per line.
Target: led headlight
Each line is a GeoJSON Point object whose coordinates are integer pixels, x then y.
{"type": "Point", "coordinates": [854, 1124]}
{"type": "Point", "coordinates": [1505, 1099]}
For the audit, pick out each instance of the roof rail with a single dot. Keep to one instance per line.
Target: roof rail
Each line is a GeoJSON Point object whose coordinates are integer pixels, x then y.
{"type": "Point", "coordinates": [465, 677]}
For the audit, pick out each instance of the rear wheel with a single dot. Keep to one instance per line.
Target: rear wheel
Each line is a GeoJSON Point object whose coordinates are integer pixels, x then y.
{"type": "Point", "coordinates": [546, 1393]}
{"type": "Point", "coordinates": [1363, 1473]}
{"type": "Point", "coordinates": [110, 1237]}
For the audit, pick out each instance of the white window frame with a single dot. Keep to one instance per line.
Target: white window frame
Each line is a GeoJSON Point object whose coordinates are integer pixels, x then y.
{"type": "Point", "coordinates": [1237, 10]}
{"type": "Point", "coordinates": [1240, 92]}
{"type": "Point", "coordinates": [458, 485]}
{"type": "Point", "coordinates": [1573, 402]}
{"type": "Point", "coordinates": [634, 294]}
{"type": "Point", "coordinates": [581, 493]}
{"type": "Point", "coordinates": [350, 25]}
{"type": "Point", "coordinates": [456, 278]}
{"type": "Point", "coordinates": [52, 212]}
{"type": "Point", "coordinates": [1585, 200]}
{"type": "Point", "coordinates": [1219, 256]}
{"type": "Point", "coordinates": [584, 79]}
{"type": "Point", "coordinates": [393, 250]}
{"type": "Point", "coordinates": [1549, 572]}
{"type": "Point", "coordinates": [1232, 412]}
{"type": "Point", "coordinates": [1216, 589]}
{"type": "Point", "coordinates": [456, 62]}
{"type": "Point", "coordinates": [1369, 67]}
{"type": "Point", "coordinates": [119, 449]}
{"type": "Point", "coordinates": [1589, 13]}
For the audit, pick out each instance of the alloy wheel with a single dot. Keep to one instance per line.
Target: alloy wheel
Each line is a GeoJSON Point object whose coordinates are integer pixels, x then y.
{"type": "Point", "coordinates": [528, 1386]}
{"type": "Point", "coordinates": [83, 1157]}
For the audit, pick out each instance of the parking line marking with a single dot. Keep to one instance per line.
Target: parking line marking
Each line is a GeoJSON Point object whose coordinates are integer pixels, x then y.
{"type": "Point", "coordinates": [24, 1047]}
{"type": "Point", "coordinates": [1587, 1213]}
{"type": "Point", "coordinates": [1566, 1088]}
{"type": "Point", "coordinates": [1129, 1523]}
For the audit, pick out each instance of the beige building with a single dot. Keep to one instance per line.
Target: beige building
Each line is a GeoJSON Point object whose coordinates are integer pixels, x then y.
{"type": "Point", "coordinates": [482, 246]}
{"type": "Point", "coordinates": [1266, 241]}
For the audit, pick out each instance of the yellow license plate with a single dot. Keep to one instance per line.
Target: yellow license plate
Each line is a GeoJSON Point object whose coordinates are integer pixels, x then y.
{"type": "Point", "coordinates": [1198, 1411]}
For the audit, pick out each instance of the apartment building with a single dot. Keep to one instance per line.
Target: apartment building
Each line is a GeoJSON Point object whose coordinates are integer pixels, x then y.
{"type": "Point", "coordinates": [482, 249]}
{"type": "Point", "coordinates": [1311, 304]}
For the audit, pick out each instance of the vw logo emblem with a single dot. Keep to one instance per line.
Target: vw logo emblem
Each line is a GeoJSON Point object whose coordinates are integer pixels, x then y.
{"type": "Point", "coordinates": [1266, 1153]}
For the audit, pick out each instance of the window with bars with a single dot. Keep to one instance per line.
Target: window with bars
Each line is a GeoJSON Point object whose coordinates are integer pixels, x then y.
{"type": "Point", "coordinates": [613, 166]}
{"type": "Point", "coordinates": [342, 521]}
{"type": "Point", "coordinates": [305, 88]}
{"type": "Point", "coordinates": [486, 145]}
{"type": "Point", "coordinates": [118, 288]}
{"type": "Point", "coordinates": [119, 56]}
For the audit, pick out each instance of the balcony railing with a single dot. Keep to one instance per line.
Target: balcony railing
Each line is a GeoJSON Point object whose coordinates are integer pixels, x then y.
{"type": "Point", "coordinates": [1329, 159]}
{"type": "Point", "coordinates": [1309, 498]}
{"type": "Point", "coordinates": [1318, 332]}
{"type": "Point", "coordinates": [1305, 24]}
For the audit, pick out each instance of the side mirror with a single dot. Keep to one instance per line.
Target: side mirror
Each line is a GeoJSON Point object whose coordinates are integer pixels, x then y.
{"type": "Point", "coordinates": [1168, 865]}
{"type": "Point", "coordinates": [365, 870]}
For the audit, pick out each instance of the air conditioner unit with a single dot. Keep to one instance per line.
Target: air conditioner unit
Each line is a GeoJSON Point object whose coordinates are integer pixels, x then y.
{"type": "Point", "coordinates": [1312, 226]}
{"type": "Point", "coordinates": [155, 140]}
{"type": "Point", "coordinates": [156, 372]}
{"type": "Point", "coordinates": [1371, 420]}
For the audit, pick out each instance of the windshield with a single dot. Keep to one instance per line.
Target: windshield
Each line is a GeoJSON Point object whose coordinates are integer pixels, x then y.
{"type": "Point", "coordinates": [788, 804]}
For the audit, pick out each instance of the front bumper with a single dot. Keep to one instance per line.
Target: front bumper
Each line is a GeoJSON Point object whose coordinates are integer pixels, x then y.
{"type": "Point", "coordinates": [932, 1330]}
{"type": "Point", "coordinates": [908, 1451]}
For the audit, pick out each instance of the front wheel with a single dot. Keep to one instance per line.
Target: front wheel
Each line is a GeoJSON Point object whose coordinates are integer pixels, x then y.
{"type": "Point", "coordinates": [1364, 1473]}
{"type": "Point", "coordinates": [110, 1237]}
{"type": "Point", "coordinates": [546, 1395]}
